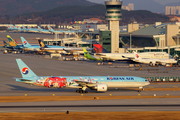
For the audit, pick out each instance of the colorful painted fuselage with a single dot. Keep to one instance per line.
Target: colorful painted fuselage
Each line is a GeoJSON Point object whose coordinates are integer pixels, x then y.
{"type": "Point", "coordinates": [70, 81]}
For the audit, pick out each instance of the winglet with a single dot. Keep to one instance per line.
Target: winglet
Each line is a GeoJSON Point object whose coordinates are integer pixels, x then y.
{"type": "Point", "coordinates": [24, 69]}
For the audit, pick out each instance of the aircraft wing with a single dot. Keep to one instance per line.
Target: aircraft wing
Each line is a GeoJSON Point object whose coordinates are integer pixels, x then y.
{"type": "Point", "coordinates": [99, 54]}
{"type": "Point", "coordinates": [85, 83]}
{"type": "Point", "coordinates": [128, 57]}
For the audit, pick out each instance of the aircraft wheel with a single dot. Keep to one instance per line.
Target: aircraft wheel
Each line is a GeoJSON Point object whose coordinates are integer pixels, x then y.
{"type": "Point", "coordinates": [86, 91]}
{"type": "Point", "coordinates": [80, 91]}
{"type": "Point", "coordinates": [77, 91]}
{"type": "Point", "coordinates": [142, 89]}
{"type": "Point", "coordinates": [139, 91]}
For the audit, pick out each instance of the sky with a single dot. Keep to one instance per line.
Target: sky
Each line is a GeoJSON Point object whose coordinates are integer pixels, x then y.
{"type": "Point", "coordinates": [163, 2]}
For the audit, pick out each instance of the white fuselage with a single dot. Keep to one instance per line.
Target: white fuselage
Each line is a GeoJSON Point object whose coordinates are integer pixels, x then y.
{"type": "Point", "coordinates": [154, 61]}
{"type": "Point", "coordinates": [125, 56]}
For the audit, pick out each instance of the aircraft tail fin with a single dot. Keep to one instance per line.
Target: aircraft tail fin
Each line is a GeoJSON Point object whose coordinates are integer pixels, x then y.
{"type": "Point", "coordinates": [99, 49]}
{"type": "Point", "coordinates": [50, 29]}
{"type": "Point", "coordinates": [25, 42]}
{"type": "Point", "coordinates": [137, 56]}
{"type": "Point", "coordinates": [87, 55]}
{"type": "Point", "coordinates": [39, 28]}
{"type": "Point", "coordinates": [5, 43]}
{"type": "Point", "coordinates": [41, 44]}
{"type": "Point", "coordinates": [24, 69]}
{"type": "Point", "coordinates": [11, 41]}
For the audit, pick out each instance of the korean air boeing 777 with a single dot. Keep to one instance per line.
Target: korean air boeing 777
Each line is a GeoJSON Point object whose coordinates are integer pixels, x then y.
{"type": "Point", "coordinates": [99, 83]}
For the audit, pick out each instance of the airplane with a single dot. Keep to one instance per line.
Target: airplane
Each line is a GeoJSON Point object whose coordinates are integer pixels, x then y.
{"type": "Point", "coordinates": [90, 57]}
{"type": "Point", "coordinates": [101, 52]}
{"type": "Point", "coordinates": [34, 30]}
{"type": "Point", "coordinates": [35, 48]}
{"type": "Point", "coordinates": [62, 31]}
{"type": "Point", "coordinates": [10, 27]}
{"type": "Point", "coordinates": [98, 83]}
{"type": "Point", "coordinates": [12, 46]}
{"type": "Point", "coordinates": [153, 62]}
{"type": "Point", "coordinates": [64, 50]}
{"type": "Point", "coordinates": [43, 30]}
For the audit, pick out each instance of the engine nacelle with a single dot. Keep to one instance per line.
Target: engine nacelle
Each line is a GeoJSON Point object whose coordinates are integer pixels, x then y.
{"type": "Point", "coordinates": [101, 87]}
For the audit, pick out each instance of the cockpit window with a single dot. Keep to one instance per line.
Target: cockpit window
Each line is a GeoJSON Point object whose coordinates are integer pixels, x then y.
{"type": "Point", "coordinates": [146, 80]}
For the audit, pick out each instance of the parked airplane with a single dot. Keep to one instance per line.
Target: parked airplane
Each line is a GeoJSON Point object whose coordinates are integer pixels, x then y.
{"type": "Point", "coordinates": [99, 83]}
{"type": "Point", "coordinates": [12, 46]}
{"type": "Point", "coordinates": [62, 31]}
{"type": "Point", "coordinates": [101, 52]}
{"type": "Point", "coordinates": [35, 48]}
{"type": "Point", "coordinates": [43, 30]}
{"type": "Point", "coordinates": [64, 50]}
{"type": "Point", "coordinates": [10, 27]}
{"type": "Point", "coordinates": [153, 62]}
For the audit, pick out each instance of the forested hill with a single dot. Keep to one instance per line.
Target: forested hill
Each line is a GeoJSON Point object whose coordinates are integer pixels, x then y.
{"type": "Point", "coordinates": [67, 13]}
{"type": "Point", "coordinates": [15, 7]}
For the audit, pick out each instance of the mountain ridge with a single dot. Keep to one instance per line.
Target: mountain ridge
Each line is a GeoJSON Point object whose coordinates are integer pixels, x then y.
{"type": "Point", "coordinates": [15, 7]}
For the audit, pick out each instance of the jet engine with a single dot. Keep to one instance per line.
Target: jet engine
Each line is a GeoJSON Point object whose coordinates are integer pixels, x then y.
{"type": "Point", "coordinates": [101, 87]}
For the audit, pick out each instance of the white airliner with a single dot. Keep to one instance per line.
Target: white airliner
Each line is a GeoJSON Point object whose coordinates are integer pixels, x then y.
{"type": "Point", "coordinates": [162, 61]}
{"type": "Point", "coordinates": [126, 56]}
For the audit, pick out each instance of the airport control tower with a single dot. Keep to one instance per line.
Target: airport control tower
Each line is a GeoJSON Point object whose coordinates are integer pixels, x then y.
{"type": "Point", "coordinates": [113, 15]}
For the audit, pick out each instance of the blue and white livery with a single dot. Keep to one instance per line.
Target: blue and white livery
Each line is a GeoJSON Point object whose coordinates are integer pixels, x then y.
{"type": "Point", "coordinates": [99, 83]}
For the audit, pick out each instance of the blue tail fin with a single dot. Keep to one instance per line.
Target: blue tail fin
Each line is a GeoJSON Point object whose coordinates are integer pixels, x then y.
{"type": "Point", "coordinates": [24, 69]}
{"type": "Point", "coordinates": [50, 29]}
{"type": "Point", "coordinates": [39, 28]}
{"type": "Point", "coordinates": [25, 42]}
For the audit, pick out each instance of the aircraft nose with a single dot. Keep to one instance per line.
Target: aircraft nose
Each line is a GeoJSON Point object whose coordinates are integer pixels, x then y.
{"type": "Point", "coordinates": [147, 83]}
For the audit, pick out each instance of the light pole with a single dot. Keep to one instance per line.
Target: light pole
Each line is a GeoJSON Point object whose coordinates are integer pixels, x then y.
{"type": "Point", "coordinates": [130, 40]}
{"type": "Point", "coordinates": [178, 40]}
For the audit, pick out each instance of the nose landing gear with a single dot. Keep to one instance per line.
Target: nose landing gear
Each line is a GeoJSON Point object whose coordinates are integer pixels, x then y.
{"type": "Point", "coordinates": [141, 89]}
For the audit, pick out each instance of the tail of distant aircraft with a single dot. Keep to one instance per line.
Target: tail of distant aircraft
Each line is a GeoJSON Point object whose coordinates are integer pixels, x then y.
{"type": "Point", "coordinates": [50, 29]}
{"type": "Point", "coordinates": [25, 42]}
{"type": "Point", "coordinates": [137, 56]}
{"type": "Point", "coordinates": [39, 28]}
{"type": "Point", "coordinates": [86, 54]}
{"type": "Point", "coordinates": [41, 44]}
{"type": "Point", "coordinates": [5, 43]}
{"type": "Point", "coordinates": [99, 49]}
{"type": "Point", "coordinates": [11, 41]}
{"type": "Point", "coordinates": [24, 69]}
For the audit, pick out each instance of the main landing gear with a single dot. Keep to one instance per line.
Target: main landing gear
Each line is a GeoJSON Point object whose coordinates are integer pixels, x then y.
{"type": "Point", "coordinates": [81, 91]}
{"type": "Point", "coordinates": [141, 89]}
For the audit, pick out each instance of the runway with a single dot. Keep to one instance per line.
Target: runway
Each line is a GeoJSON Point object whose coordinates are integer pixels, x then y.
{"type": "Point", "coordinates": [160, 104]}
